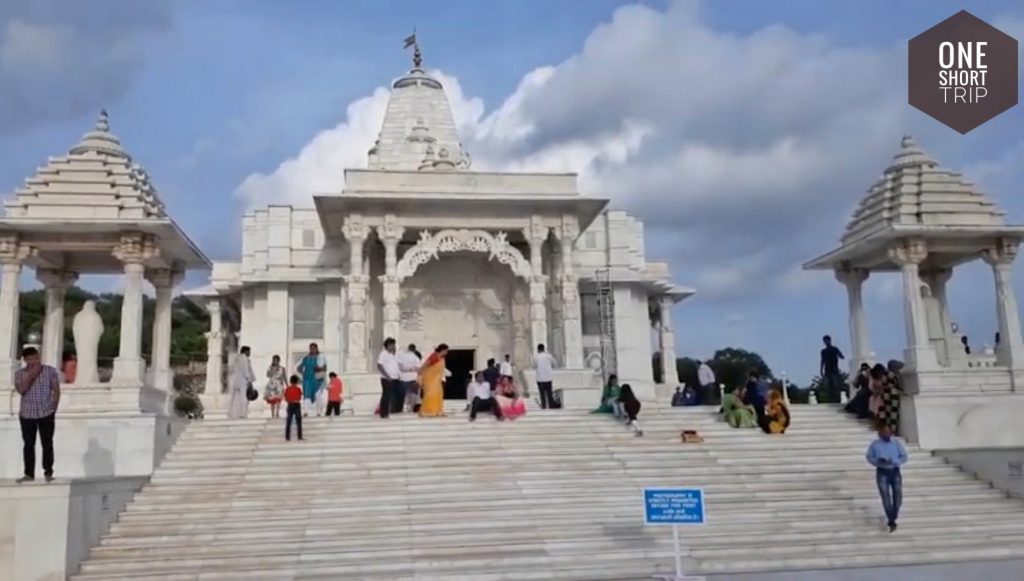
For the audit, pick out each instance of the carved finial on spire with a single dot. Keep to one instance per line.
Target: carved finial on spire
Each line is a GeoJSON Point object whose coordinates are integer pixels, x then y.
{"type": "Point", "coordinates": [908, 140]}
{"type": "Point", "coordinates": [103, 121]}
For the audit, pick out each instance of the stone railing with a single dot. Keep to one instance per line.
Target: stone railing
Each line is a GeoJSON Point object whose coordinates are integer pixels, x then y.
{"type": "Point", "coordinates": [981, 360]}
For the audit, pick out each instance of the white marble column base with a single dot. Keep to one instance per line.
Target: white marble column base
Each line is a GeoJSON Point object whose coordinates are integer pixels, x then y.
{"type": "Point", "coordinates": [128, 371]}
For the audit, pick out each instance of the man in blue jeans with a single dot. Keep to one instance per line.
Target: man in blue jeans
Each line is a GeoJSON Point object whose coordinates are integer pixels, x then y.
{"type": "Point", "coordinates": [887, 454]}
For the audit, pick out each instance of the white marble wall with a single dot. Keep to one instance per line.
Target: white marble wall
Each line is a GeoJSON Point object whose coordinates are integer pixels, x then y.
{"type": "Point", "coordinates": [46, 529]}
{"type": "Point", "coordinates": [958, 421]}
{"type": "Point", "coordinates": [633, 350]}
{"type": "Point", "coordinates": [95, 447]}
{"type": "Point", "coordinates": [463, 300]}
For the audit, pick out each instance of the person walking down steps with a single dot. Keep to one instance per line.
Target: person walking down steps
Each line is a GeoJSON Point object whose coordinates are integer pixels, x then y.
{"type": "Point", "coordinates": [887, 455]}
{"type": "Point", "coordinates": [631, 405]}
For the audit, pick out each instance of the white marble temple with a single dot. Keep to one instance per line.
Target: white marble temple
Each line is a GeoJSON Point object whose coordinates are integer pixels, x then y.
{"type": "Point", "coordinates": [421, 248]}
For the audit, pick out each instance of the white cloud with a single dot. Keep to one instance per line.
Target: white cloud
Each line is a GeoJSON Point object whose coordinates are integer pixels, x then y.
{"type": "Point", "coordinates": [320, 166]}
{"type": "Point", "coordinates": [34, 48]}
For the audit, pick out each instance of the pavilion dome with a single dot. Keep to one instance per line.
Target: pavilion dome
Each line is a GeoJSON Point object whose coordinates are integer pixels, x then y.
{"type": "Point", "coordinates": [96, 179]}
{"type": "Point", "coordinates": [418, 132]}
{"type": "Point", "coordinates": [914, 190]}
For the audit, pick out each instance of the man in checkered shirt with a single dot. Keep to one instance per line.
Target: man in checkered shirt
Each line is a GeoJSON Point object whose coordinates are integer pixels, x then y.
{"type": "Point", "coordinates": [39, 387]}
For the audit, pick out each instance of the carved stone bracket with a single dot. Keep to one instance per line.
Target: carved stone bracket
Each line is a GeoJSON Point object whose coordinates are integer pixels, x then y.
{"type": "Point", "coordinates": [164, 277]}
{"type": "Point", "coordinates": [355, 228]}
{"type": "Point", "coordinates": [1002, 254]}
{"type": "Point", "coordinates": [13, 251]}
{"type": "Point", "coordinates": [135, 248]}
{"type": "Point", "coordinates": [910, 252]}
{"type": "Point", "coordinates": [849, 276]}
{"type": "Point", "coordinates": [56, 278]}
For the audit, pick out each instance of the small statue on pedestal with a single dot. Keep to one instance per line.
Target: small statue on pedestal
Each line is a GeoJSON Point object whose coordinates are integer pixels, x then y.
{"type": "Point", "coordinates": [86, 329]}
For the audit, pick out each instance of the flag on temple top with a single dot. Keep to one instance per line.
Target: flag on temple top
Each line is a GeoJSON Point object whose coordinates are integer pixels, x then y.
{"type": "Point", "coordinates": [410, 40]}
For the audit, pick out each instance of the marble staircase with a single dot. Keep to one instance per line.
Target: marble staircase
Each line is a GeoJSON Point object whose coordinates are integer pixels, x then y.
{"type": "Point", "coordinates": [554, 495]}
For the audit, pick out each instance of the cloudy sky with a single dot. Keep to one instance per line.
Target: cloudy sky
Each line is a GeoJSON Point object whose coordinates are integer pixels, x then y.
{"type": "Point", "coordinates": [743, 132]}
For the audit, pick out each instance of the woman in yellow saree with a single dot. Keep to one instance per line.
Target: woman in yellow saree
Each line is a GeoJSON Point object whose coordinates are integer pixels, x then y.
{"type": "Point", "coordinates": [430, 377]}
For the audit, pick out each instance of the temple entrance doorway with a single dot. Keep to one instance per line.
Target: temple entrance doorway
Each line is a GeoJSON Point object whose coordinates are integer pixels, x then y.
{"type": "Point", "coordinates": [460, 362]}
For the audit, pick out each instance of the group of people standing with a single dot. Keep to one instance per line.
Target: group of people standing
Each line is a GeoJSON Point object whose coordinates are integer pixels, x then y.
{"type": "Point", "coordinates": [320, 391]}
{"type": "Point", "coordinates": [407, 381]}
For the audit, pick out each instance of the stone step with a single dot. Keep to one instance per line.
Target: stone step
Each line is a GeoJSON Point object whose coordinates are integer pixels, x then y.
{"type": "Point", "coordinates": [243, 514]}
{"type": "Point", "coordinates": [555, 495]}
{"type": "Point", "coordinates": [471, 534]}
{"type": "Point", "coordinates": [471, 488]}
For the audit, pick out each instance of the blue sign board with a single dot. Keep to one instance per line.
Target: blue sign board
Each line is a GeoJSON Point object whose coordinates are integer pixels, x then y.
{"type": "Point", "coordinates": [674, 506]}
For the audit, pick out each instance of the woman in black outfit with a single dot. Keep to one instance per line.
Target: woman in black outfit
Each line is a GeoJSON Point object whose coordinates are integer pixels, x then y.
{"type": "Point", "coordinates": [632, 407]}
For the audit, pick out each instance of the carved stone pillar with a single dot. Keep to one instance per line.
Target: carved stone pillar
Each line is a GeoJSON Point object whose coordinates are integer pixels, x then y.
{"type": "Point", "coordinates": [572, 331]}
{"type": "Point", "coordinates": [356, 232]}
{"type": "Point", "coordinates": [163, 280]}
{"type": "Point", "coordinates": [537, 233]}
{"type": "Point", "coordinates": [390, 234]}
{"type": "Point", "coordinates": [1010, 351]}
{"type": "Point", "coordinates": [12, 253]}
{"type": "Point", "coordinates": [133, 251]}
{"type": "Point", "coordinates": [538, 310]}
{"type": "Point", "coordinates": [57, 283]}
{"type": "Point", "coordinates": [919, 355]}
{"type": "Point", "coordinates": [214, 348]}
{"type": "Point", "coordinates": [853, 279]}
{"type": "Point", "coordinates": [949, 351]}
{"type": "Point", "coordinates": [667, 342]}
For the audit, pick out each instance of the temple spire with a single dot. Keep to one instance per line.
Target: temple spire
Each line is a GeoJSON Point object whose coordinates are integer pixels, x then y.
{"type": "Point", "coordinates": [103, 122]}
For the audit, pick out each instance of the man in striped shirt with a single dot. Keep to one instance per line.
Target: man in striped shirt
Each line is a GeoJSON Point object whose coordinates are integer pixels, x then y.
{"type": "Point", "coordinates": [39, 387]}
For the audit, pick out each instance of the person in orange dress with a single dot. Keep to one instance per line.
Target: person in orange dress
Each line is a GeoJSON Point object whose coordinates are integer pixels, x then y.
{"type": "Point", "coordinates": [430, 377]}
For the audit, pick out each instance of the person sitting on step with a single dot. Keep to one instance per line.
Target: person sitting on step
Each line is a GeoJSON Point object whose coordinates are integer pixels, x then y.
{"type": "Point", "coordinates": [736, 413]}
{"type": "Point", "coordinates": [483, 400]}
{"type": "Point", "coordinates": [631, 405]}
{"type": "Point", "coordinates": [776, 415]}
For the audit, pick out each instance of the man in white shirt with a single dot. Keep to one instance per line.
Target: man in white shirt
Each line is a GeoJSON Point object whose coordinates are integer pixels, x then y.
{"type": "Point", "coordinates": [544, 365]}
{"type": "Point", "coordinates": [506, 366]}
{"type": "Point", "coordinates": [390, 380]}
{"type": "Point", "coordinates": [480, 391]}
{"type": "Point", "coordinates": [409, 367]}
{"type": "Point", "coordinates": [706, 379]}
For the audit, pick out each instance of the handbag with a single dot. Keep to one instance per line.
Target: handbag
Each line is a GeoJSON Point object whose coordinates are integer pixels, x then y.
{"type": "Point", "coordinates": [251, 394]}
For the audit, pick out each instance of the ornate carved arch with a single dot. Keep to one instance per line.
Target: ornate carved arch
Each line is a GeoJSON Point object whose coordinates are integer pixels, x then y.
{"type": "Point", "coordinates": [463, 240]}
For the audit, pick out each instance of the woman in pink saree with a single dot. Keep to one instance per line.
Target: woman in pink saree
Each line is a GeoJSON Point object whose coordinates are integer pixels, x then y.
{"type": "Point", "coordinates": [511, 404]}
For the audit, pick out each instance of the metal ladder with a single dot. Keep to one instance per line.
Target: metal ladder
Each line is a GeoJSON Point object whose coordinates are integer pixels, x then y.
{"type": "Point", "coordinates": [606, 311]}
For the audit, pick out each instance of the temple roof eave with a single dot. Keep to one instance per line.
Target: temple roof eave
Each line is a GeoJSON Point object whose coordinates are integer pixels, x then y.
{"type": "Point", "coordinates": [955, 244]}
{"type": "Point", "coordinates": [176, 247]}
{"type": "Point", "coordinates": [424, 210]}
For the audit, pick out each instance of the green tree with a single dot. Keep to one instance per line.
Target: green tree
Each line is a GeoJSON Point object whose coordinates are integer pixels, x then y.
{"type": "Point", "coordinates": [731, 366]}
{"type": "Point", "coordinates": [188, 322]}
{"type": "Point", "coordinates": [825, 393]}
